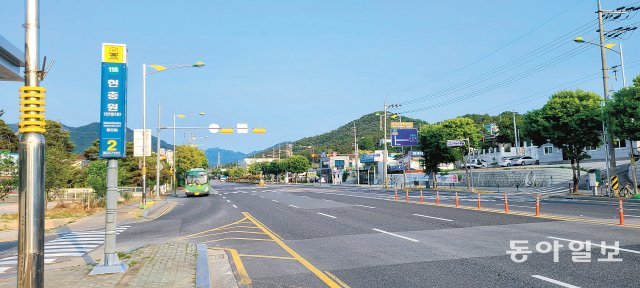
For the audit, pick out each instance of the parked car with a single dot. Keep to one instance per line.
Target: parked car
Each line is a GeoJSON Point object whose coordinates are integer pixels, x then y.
{"type": "Point", "coordinates": [505, 162]}
{"type": "Point", "coordinates": [223, 179]}
{"type": "Point", "coordinates": [476, 163]}
{"type": "Point", "coordinates": [524, 160]}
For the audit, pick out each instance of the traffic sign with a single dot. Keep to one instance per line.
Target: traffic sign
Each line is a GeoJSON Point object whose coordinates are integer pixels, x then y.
{"type": "Point", "coordinates": [404, 137]}
{"type": "Point", "coordinates": [455, 143]}
{"type": "Point", "coordinates": [242, 128]}
{"type": "Point", "coordinates": [614, 183]}
{"type": "Point", "coordinates": [401, 124]}
{"type": "Point", "coordinates": [113, 104]}
{"type": "Point", "coordinates": [214, 128]}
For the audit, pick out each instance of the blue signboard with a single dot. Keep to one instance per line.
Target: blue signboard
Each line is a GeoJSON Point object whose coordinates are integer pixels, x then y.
{"type": "Point", "coordinates": [113, 104]}
{"type": "Point", "coordinates": [404, 137]}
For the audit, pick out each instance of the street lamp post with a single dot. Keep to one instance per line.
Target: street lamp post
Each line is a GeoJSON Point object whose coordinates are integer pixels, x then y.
{"type": "Point", "coordinates": [158, 68]}
{"type": "Point", "coordinates": [607, 138]}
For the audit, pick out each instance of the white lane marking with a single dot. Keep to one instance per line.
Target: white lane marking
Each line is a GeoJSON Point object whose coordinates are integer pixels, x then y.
{"type": "Point", "coordinates": [559, 283]}
{"type": "Point", "coordinates": [65, 254]}
{"type": "Point", "coordinates": [593, 244]}
{"type": "Point", "coordinates": [228, 201]}
{"type": "Point", "coordinates": [275, 200]}
{"type": "Point", "coordinates": [234, 206]}
{"type": "Point", "coordinates": [365, 206]}
{"type": "Point", "coordinates": [75, 242]}
{"type": "Point", "coordinates": [224, 197]}
{"type": "Point", "coordinates": [431, 217]}
{"type": "Point", "coordinates": [627, 215]}
{"type": "Point", "coordinates": [68, 250]}
{"type": "Point", "coordinates": [294, 206]}
{"type": "Point", "coordinates": [510, 205]}
{"type": "Point", "coordinates": [47, 246]}
{"type": "Point", "coordinates": [327, 215]}
{"type": "Point", "coordinates": [3, 269]}
{"type": "Point", "coordinates": [396, 235]}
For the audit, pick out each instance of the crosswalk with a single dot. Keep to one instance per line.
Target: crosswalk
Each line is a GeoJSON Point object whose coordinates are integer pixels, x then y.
{"type": "Point", "coordinates": [72, 244]}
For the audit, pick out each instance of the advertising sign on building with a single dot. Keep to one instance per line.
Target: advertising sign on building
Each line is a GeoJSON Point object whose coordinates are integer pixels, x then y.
{"type": "Point", "coordinates": [417, 153]}
{"type": "Point", "coordinates": [113, 101]}
{"type": "Point", "coordinates": [447, 179]}
{"type": "Point", "coordinates": [404, 137]}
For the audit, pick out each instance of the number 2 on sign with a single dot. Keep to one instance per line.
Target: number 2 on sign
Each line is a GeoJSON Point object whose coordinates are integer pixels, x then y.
{"type": "Point", "coordinates": [111, 145]}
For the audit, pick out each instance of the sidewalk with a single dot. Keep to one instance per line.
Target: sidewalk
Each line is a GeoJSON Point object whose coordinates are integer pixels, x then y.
{"type": "Point", "coordinates": [157, 265]}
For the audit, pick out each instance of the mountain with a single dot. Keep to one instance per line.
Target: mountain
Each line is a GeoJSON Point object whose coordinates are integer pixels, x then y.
{"type": "Point", "coordinates": [83, 136]}
{"type": "Point", "coordinates": [226, 156]}
{"type": "Point", "coordinates": [341, 139]}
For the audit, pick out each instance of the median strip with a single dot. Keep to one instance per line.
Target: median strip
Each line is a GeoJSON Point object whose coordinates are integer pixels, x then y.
{"type": "Point", "coordinates": [431, 217]}
{"type": "Point", "coordinates": [294, 206]}
{"type": "Point", "coordinates": [327, 215]}
{"type": "Point", "coordinates": [396, 235]}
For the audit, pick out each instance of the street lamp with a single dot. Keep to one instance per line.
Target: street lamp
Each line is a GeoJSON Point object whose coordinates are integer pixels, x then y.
{"type": "Point", "coordinates": [158, 69]}
{"type": "Point", "coordinates": [607, 139]}
{"type": "Point", "coordinates": [173, 168]}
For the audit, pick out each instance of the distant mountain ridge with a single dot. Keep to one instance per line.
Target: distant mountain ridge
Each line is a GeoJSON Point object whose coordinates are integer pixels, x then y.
{"type": "Point", "coordinates": [83, 136]}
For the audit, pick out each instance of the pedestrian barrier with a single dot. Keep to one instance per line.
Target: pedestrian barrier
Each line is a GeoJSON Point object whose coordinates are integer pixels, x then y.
{"type": "Point", "coordinates": [456, 200]}
{"type": "Point", "coordinates": [537, 205]}
{"type": "Point", "coordinates": [620, 212]}
{"type": "Point", "coordinates": [479, 205]}
{"type": "Point", "coordinates": [421, 198]}
{"type": "Point", "coordinates": [437, 198]}
{"type": "Point", "coordinates": [506, 204]}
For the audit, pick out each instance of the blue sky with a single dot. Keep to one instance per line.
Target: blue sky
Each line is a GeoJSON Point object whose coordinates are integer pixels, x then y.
{"type": "Point", "coordinates": [300, 68]}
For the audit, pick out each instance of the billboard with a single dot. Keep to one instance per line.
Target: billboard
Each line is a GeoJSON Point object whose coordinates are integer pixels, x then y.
{"type": "Point", "coordinates": [113, 101]}
{"type": "Point", "coordinates": [401, 124]}
{"type": "Point", "coordinates": [455, 143]}
{"type": "Point", "coordinates": [404, 137]}
{"type": "Point", "coordinates": [137, 143]}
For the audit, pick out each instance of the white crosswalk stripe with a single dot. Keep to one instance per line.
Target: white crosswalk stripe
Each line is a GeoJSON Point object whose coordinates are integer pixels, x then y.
{"type": "Point", "coordinates": [72, 244]}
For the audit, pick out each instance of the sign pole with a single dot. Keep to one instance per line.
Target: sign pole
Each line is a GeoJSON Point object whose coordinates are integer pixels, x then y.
{"type": "Point", "coordinates": [112, 145]}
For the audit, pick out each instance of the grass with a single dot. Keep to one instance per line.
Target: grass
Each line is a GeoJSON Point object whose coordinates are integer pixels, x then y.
{"type": "Point", "coordinates": [8, 217]}
{"type": "Point", "coordinates": [69, 210]}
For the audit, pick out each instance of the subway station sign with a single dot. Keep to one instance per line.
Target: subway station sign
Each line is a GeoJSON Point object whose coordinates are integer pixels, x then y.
{"type": "Point", "coordinates": [113, 101]}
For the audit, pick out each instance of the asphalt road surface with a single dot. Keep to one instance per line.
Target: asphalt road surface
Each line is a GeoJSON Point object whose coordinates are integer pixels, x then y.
{"type": "Point", "coordinates": [356, 237]}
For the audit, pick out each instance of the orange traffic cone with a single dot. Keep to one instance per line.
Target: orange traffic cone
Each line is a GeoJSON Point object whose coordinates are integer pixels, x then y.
{"type": "Point", "coordinates": [506, 204]}
{"type": "Point", "coordinates": [479, 205]}
{"type": "Point", "coordinates": [456, 200]}
{"type": "Point", "coordinates": [537, 205]}
{"type": "Point", "coordinates": [421, 198]}
{"type": "Point", "coordinates": [620, 212]}
{"type": "Point", "coordinates": [437, 198]}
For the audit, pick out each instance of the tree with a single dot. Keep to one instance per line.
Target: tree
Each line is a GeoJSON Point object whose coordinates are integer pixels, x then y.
{"type": "Point", "coordinates": [9, 173]}
{"type": "Point", "coordinates": [505, 126]}
{"type": "Point", "coordinates": [255, 168]}
{"type": "Point", "coordinates": [297, 164]}
{"type": "Point", "coordinates": [97, 177]}
{"type": "Point", "coordinates": [433, 142]}
{"type": "Point", "coordinates": [624, 115]}
{"type": "Point", "coordinates": [92, 152]}
{"type": "Point", "coordinates": [571, 120]}
{"type": "Point", "coordinates": [189, 157]}
{"type": "Point", "coordinates": [8, 139]}
{"type": "Point", "coordinates": [237, 172]}
{"type": "Point", "coordinates": [367, 144]}
{"type": "Point", "coordinates": [636, 81]}
{"type": "Point", "coordinates": [59, 162]}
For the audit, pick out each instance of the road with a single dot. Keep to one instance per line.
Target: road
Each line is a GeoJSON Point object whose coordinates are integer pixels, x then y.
{"type": "Point", "coordinates": [306, 236]}
{"type": "Point", "coordinates": [363, 238]}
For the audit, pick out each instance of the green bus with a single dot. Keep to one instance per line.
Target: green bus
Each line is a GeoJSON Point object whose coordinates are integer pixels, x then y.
{"type": "Point", "coordinates": [196, 182]}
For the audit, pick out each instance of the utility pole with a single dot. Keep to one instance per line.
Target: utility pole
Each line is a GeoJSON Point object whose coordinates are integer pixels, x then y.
{"type": "Point", "coordinates": [386, 152]}
{"type": "Point", "coordinates": [611, 159]}
{"type": "Point", "coordinates": [173, 167]}
{"type": "Point", "coordinates": [218, 166]}
{"type": "Point", "coordinates": [515, 135]}
{"type": "Point", "coordinates": [31, 152]}
{"type": "Point", "coordinates": [143, 202]}
{"type": "Point", "coordinates": [158, 158]}
{"type": "Point", "coordinates": [355, 138]}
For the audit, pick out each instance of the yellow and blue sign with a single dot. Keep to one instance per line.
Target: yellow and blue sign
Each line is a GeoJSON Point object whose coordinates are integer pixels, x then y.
{"type": "Point", "coordinates": [113, 104]}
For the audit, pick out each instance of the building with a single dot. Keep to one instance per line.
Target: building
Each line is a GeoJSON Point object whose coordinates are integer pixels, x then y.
{"type": "Point", "coordinates": [248, 161]}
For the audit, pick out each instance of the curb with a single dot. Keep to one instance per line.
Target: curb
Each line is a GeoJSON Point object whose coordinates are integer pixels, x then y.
{"type": "Point", "coordinates": [155, 207]}
{"type": "Point", "coordinates": [594, 198]}
{"type": "Point", "coordinates": [203, 279]}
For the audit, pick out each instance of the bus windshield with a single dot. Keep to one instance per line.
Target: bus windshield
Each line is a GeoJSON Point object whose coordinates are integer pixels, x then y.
{"type": "Point", "coordinates": [199, 178]}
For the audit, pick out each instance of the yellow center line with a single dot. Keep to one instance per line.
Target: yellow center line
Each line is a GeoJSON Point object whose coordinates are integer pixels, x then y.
{"type": "Point", "coordinates": [173, 205]}
{"type": "Point", "coordinates": [227, 232]}
{"type": "Point", "coordinates": [214, 229]}
{"type": "Point", "coordinates": [337, 279]}
{"type": "Point", "coordinates": [322, 276]}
